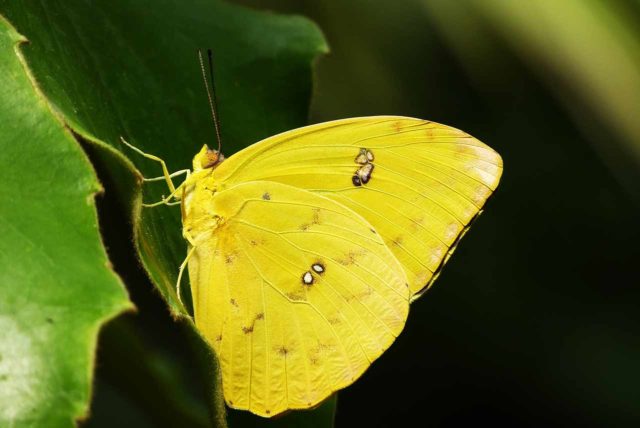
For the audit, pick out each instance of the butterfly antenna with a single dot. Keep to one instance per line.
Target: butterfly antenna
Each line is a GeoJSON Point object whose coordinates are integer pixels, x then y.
{"type": "Point", "coordinates": [211, 93]}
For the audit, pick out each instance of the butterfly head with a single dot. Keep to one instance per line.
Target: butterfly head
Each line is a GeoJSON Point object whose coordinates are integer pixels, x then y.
{"type": "Point", "coordinates": [207, 158]}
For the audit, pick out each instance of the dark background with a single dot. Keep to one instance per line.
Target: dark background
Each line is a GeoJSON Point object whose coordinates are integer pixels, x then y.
{"type": "Point", "coordinates": [535, 319]}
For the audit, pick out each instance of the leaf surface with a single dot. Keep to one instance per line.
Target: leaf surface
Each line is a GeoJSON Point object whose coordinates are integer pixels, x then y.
{"type": "Point", "coordinates": [55, 279]}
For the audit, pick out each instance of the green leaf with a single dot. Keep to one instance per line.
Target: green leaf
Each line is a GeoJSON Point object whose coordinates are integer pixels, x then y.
{"type": "Point", "coordinates": [121, 68]}
{"type": "Point", "coordinates": [56, 283]}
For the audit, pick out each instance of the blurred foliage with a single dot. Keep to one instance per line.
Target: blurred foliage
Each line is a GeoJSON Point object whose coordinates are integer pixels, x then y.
{"type": "Point", "coordinates": [586, 52]}
{"type": "Point", "coordinates": [534, 321]}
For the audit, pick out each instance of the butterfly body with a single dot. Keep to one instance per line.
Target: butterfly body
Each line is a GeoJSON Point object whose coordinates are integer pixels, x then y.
{"type": "Point", "coordinates": [307, 248]}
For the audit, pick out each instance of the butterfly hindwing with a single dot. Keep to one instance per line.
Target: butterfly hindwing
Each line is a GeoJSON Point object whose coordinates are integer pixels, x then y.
{"type": "Point", "coordinates": [297, 293]}
{"type": "Point", "coordinates": [418, 183]}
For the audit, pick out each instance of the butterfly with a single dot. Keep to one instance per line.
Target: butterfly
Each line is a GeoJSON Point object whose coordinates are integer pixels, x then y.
{"type": "Point", "coordinates": [306, 249]}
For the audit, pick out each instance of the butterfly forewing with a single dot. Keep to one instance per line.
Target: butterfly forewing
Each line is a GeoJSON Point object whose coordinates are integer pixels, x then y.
{"type": "Point", "coordinates": [418, 183]}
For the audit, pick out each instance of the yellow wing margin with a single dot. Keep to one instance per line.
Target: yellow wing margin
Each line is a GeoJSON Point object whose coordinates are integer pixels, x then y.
{"type": "Point", "coordinates": [427, 181]}
{"type": "Point", "coordinates": [296, 293]}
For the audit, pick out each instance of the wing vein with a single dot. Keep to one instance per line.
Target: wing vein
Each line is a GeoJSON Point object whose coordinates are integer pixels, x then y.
{"type": "Point", "coordinates": [266, 329]}
{"type": "Point", "coordinates": [413, 160]}
{"type": "Point", "coordinates": [268, 254]}
{"type": "Point", "coordinates": [317, 232]}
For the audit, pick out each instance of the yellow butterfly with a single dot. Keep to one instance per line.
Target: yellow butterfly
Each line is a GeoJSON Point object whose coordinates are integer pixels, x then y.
{"type": "Point", "coordinates": [306, 248]}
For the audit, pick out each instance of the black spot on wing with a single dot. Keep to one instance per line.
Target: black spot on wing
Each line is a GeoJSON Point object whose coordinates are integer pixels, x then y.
{"type": "Point", "coordinates": [307, 278]}
{"type": "Point", "coordinates": [283, 350]}
{"type": "Point", "coordinates": [318, 268]}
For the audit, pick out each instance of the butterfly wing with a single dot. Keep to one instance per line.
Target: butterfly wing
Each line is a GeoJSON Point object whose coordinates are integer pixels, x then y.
{"type": "Point", "coordinates": [296, 293]}
{"type": "Point", "coordinates": [419, 183]}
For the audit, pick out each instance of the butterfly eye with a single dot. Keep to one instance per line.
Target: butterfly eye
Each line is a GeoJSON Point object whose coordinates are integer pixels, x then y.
{"type": "Point", "coordinates": [356, 180]}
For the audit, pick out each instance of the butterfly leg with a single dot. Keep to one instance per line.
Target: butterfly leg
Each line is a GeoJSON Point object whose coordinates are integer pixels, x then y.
{"type": "Point", "coordinates": [185, 263]}
{"type": "Point", "coordinates": [165, 170]}
{"type": "Point", "coordinates": [162, 177]}
{"type": "Point", "coordinates": [167, 200]}
{"type": "Point", "coordinates": [180, 189]}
